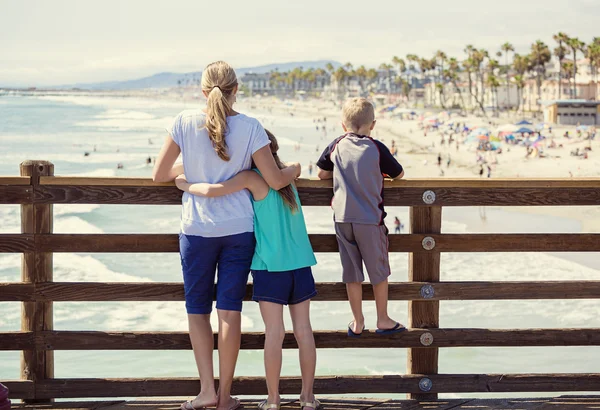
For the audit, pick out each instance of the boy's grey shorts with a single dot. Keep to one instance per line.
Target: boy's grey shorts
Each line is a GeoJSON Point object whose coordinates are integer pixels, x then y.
{"type": "Point", "coordinates": [363, 242]}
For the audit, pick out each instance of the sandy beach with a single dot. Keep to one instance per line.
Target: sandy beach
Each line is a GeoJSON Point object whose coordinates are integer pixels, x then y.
{"type": "Point", "coordinates": [419, 153]}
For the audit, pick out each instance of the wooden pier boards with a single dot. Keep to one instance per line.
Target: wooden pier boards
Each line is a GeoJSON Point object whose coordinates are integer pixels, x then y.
{"type": "Point", "coordinates": [37, 190]}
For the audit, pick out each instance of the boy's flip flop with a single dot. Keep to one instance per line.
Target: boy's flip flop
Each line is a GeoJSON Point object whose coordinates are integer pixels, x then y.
{"type": "Point", "coordinates": [351, 332]}
{"type": "Point", "coordinates": [396, 329]}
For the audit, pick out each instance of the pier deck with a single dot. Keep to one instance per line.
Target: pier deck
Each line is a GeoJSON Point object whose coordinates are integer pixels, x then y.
{"type": "Point", "coordinates": [558, 403]}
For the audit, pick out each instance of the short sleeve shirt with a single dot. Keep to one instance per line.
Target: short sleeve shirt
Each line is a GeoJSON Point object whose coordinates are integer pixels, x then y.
{"type": "Point", "coordinates": [359, 164]}
{"type": "Point", "coordinates": [230, 214]}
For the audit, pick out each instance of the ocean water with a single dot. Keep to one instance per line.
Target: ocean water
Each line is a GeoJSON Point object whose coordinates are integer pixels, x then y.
{"type": "Point", "coordinates": [128, 130]}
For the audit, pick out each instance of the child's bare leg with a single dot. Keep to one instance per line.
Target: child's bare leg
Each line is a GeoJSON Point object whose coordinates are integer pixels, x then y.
{"type": "Point", "coordinates": [272, 314]}
{"type": "Point", "coordinates": [354, 290]}
{"type": "Point", "coordinates": [380, 292]}
{"type": "Point", "coordinates": [306, 347]}
{"type": "Point", "coordinates": [202, 339]}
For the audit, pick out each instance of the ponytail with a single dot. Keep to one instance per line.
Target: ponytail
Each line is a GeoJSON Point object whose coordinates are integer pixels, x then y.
{"type": "Point", "coordinates": [287, 193]}
{"type": "Point", "coordinates": [219, 82]}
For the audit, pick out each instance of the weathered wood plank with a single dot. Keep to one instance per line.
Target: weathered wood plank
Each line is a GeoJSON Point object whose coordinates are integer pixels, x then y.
{"type": "Point", "coordinates": [103, 292]}
{"type": "Point", "coordinates": [17, 341]}
{"type": "Point", "coordinates": [86, 340]}
{"type": "Point", "coordinates": [36, 266]}
{"type": "Point", "coordinates": [590, 182]}
{"type": "Point", "coordinates": [442, 383]}
{"type": "Point", "coordinates": [424, 266]}
{"type": "Point", "coordinates": [310, 196]}
{"type": "Point", "coordinates": [327, 243]}
{"type": "Point", "coordinates": [19, 389]}
{"type": "Point", "coordinates": [16, 243]}
{"type": "Point", "coordinates": [573, 403]}
{"type": "Point", "coordinates": [16, 292]}
{"type": "Point", "coordinates": [15, 194]}
{"type": "Point", "coordinates": [92, 194]}
{"type": "Point", "coordinates": [6, 180]}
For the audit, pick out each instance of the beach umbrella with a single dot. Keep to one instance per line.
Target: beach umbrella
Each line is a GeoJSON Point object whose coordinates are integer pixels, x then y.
{"type": "Point", "coordinates": [524, 130]}
{"type": "Point", "coordinates": [524, 122]}
{"type": "Point", "coordinates": [483, 137]}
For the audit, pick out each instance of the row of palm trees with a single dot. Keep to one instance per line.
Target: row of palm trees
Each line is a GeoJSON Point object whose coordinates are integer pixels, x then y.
{"type": "Point", "coordinates": [480, 69]}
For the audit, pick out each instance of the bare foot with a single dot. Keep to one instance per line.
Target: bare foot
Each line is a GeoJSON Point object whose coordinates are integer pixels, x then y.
{"type": "Point", "coordinates": [357, 327]}
{"type": "Point", "coordinates": [231, 404]}
{"type": "Point", "coordinates": [386, 324]}
{"type": "Point", "coordinates": [201, 401]}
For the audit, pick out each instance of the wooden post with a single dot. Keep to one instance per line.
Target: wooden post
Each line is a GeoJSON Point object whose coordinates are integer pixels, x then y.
{"type": "Point", "coordinates": [424, 267]}
{"type": "Point", "coordinates": [36, 267]}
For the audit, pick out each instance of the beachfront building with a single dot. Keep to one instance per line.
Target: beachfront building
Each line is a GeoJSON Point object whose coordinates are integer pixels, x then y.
{"type": "Point", "coordinates": [549, 92]}
{"type": "Point", "coordinates": [257, 84]}
{"type": "Point", "coordinates": [573, 112]}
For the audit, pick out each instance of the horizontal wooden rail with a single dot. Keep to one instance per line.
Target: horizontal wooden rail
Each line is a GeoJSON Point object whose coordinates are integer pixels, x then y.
{"type": "Point", "coordinates": [15, 180]}
{"type": "Point", "coordinates": [17, 243]}
{"type": "Point", "coordinates": [95, 340]}
{"type": "Point", "coordinates": [169, 195]}
{"type": "Point", "coordinates": [133, 243]}
{"type": "Point", "coordinates": [15, 194]}
{"type": "Point", "coordinates": [327, 291]}
{"type": "Point", "coordinates": [440, 383]}
{"type": "Point", "coordinates": [589, 182]}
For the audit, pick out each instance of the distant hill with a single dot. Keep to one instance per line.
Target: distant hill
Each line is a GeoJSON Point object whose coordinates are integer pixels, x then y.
{"type": "Point", "coordinates": [169, 80]}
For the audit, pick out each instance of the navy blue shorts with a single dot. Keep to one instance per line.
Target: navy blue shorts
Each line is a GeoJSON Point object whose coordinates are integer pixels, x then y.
{"type": "Point", "coordinates": [200, 258]}
{"type": "Point", "coordinates": [285, 288]}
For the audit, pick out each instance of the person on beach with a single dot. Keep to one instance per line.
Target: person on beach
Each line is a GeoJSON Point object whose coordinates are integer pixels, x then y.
{"type": "Point", "coordinates": [358, 164]}
{"type": "Point", "coordinates": [218, 232]}
{"type": "Point", "coordinates": [397, 225]}
{"type": "Point", "coordinates": [281, 270]}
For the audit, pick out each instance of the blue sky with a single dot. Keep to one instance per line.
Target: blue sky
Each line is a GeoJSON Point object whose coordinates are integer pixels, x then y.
{"type": "Point", "coordinates": [51, 42]}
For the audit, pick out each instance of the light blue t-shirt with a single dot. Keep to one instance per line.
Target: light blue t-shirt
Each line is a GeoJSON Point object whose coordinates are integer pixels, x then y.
{"type": "Point", "coordinates": [229, 214]}
{"type": "Point", "coordinates": [282, 242]}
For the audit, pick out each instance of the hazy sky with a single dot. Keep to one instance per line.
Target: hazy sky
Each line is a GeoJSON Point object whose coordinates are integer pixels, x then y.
{"type": "Point", "coordinates": [46, 42]}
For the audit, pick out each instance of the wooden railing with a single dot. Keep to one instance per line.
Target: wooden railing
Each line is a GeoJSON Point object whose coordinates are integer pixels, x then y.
{"type": "Point", "coordinates": [37, 190]}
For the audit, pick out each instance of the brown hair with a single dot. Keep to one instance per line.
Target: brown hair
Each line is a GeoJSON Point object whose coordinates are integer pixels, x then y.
{"type": "Point", "coordinates": [287, 193]}
{"type": "Point", "coordinates": [219, 82]}
{"type": "Point", "coordinates": [357, 112]}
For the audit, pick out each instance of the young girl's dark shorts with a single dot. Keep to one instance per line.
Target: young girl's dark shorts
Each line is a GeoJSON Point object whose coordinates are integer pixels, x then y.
{"type": "Point", "coordinates": [285, 288]}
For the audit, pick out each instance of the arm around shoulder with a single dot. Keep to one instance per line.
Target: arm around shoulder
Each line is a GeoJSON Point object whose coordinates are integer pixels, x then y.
{"type": "Point", "coordinates": [276, 178]}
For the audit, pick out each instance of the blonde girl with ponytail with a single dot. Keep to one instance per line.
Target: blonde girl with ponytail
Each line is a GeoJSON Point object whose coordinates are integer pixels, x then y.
{"type": "Point", "coordinates": [217, 234]}
{"type": "Point", "coordinates": [281, 269]}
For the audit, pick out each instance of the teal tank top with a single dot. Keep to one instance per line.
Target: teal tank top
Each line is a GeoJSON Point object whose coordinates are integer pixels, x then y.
{"type": "Point", "coordinates": [281, 238]}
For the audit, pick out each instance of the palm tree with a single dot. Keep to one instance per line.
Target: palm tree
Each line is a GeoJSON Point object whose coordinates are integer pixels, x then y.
{"type": "Point", "coordinates": [361, 74]}
{"type": "Point", "coordinates": [567, 67]}
{"type": "Point", "coordinates": [340, 75]}
{"type": "Point", "coordinates": [520, 82]}
{"type": "Point", "coordinates": [400, 63]}
{"type": "Point", "coordinates": [493, 65]}
{"type": "Point", "coordinates": [593, 54]}
{"type": "Point", "coordinates": [560, 52]}
{"type": "Point", "coordinates": [493, 83]}
{"type": "Point", "coordinates": [330, 68]}
{"type": "Point", "coordinates": [575, 45]}
{"type": "Point", "coordinates": [507, 48]}
{"type": "Point", "coordinates": [451, 75]}
{"type": "Point", "coordinates": [388, 69]}
{"type": "Point", "coordinates": [372, 74]}
{"type": "Point", "coordinates": [540, 56]}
